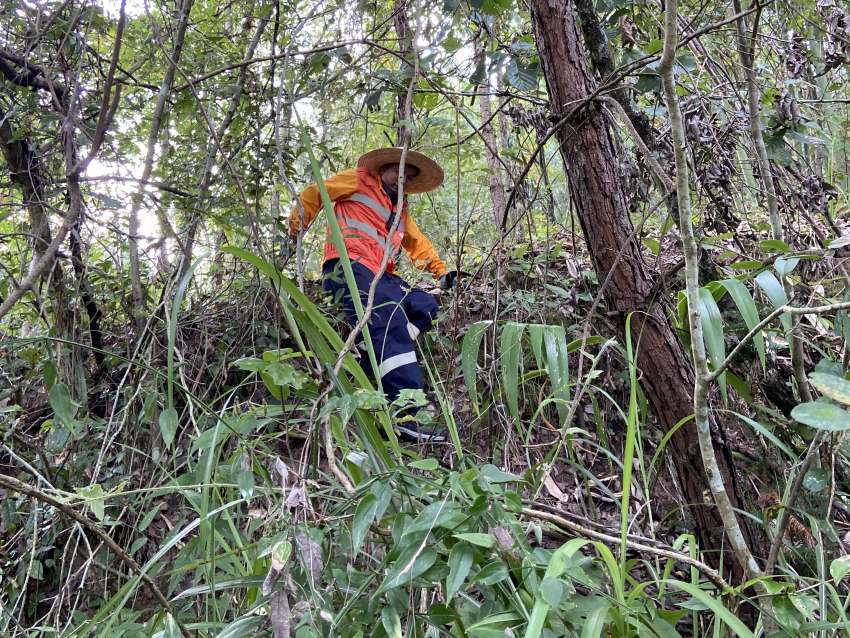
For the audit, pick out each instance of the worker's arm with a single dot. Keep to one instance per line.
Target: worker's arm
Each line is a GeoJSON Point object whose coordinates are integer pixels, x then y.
{"type": "Point", "coordinates": [339, 186]}
{"type": "Point", "coordinates": [421, 252]}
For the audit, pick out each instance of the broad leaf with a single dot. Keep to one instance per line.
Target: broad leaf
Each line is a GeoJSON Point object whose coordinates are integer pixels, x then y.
{"type": "Point", "coordinates": [831, 386]}
{"type": "Point", "coordinates": [822, 416]}
{"type": "Point", "coordinates": [168, 425]}
{"type": "Point", "coordinates": [460, 562]}
{"type": "Point", "coordinates": [364, 515]}
{"type": "Point", "coordinates": [749, 313]}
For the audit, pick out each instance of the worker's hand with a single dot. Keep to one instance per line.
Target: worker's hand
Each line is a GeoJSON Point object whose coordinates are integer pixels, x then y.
{"type": "Point", "coordinates": [449, 280]}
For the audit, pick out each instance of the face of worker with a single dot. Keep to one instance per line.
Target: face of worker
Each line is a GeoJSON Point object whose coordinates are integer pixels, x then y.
{"type": "Point", "coordinates": [389, 176]}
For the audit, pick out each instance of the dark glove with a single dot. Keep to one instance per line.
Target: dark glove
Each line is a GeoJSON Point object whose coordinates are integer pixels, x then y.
{"type": "Point", "coordinates": [448, 280]}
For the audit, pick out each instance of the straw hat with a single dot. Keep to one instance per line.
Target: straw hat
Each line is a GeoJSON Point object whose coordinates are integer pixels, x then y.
{"type": "Point", "coordinates": [430, 174]}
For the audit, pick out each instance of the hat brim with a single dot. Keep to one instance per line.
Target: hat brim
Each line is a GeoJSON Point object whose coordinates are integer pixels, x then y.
{"type": "Point", "coordinates": [430, 174]}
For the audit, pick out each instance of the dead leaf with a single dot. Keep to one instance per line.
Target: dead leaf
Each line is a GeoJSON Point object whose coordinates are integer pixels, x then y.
{"type": "Point", "coordinates": [280, 615]}
{"type": "Point", "coordinates": [310, 555]}
{"type": "Point", "coordinates": [297, 497]}
{"type": "Point", "coordinates": [553, 489]}
{"type": "Point", "coordinates": [282, 471]}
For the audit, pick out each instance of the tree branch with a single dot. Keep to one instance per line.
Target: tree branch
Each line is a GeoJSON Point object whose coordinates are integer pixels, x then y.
{"type": "Point", "coordinates": [20, 487]}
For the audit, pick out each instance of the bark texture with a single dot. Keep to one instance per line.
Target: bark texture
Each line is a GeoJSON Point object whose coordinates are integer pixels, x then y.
{"type": "Point", "coordinates": [590, 158]}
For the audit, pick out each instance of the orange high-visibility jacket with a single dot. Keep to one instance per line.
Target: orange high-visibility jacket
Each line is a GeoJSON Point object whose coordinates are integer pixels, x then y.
{"type": "Point", "coordinates": [363, 210]}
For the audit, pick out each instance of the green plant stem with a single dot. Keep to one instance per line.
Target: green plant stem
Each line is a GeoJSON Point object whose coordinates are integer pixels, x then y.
{"type": "Point", "coordinates": [15, 485]}
{"type": "Point", "coordinates": [691, 254]}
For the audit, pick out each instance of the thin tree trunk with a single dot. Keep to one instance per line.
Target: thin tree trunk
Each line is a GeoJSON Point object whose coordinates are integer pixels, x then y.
{"type": "Point", "coordinates": [746, 52]}
{"type": "Point", "coordinates": [405, 47]}
{"type": "Point", "coordinates": [153, 135]}
{"type": "Point", "coordinates": [212, 152]}
{"type": "Point", "coordinates": [589, 156]}
{"type": "Point", "coordinates": [690, 249]}
{"type": "Point", "coordinates": [27, 173]}
{"type": "Point", "coordinates": [497, 189]}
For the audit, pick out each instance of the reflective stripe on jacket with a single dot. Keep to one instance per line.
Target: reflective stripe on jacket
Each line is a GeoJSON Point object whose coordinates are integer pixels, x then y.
{"type": "Point", "coordinates": [364, 212]}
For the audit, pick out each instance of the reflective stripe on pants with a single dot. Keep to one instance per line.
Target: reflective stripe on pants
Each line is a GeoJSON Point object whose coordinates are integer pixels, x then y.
{"type": "Point", "coordinates": [397, 307]}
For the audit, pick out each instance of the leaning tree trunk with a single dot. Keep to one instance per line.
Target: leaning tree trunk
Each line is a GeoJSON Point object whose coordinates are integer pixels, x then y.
{"type": "Point", "coordinates": [591, 163]}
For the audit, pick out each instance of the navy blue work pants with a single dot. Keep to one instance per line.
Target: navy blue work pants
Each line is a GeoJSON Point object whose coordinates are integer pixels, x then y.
{"type": "Point", "coordinates": [400, 313]}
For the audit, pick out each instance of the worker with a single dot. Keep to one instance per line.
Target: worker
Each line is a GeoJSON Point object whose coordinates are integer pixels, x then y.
{"type": "Point", "coordinates": [365, 204]}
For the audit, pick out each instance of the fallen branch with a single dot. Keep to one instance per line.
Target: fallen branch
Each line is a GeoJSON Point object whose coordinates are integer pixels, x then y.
{"type": "Point", "coordinates": [20, 487]}
{"type": "Point", "coordinates": [569, 526]}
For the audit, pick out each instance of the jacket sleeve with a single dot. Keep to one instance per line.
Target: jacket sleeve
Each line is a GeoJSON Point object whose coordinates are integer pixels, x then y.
{"type": "Point", "coordinates": [421, 252]}
{"type": "Point", "coordinates": [339, 186]}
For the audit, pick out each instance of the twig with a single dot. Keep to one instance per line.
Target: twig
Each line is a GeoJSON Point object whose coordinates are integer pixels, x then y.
{"type": "Point", "coordinates": [785, 516]}
{"type": "Point", "coordinates": [107, 109]}
{"type": "Point", "coordinates": [147, 167]}
{"type": "Point", "coordinates": [786, 309]}
{"type": "Point", "coordinates": [575, 528]}
{"type": "Point", "coordinates": [15, 485]}
{"type": "Point", "coordinates": [662, 177]}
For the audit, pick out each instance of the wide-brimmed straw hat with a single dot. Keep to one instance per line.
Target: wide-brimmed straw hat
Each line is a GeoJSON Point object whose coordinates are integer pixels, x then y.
{"type": "Point", "coordinates": [430, 174]}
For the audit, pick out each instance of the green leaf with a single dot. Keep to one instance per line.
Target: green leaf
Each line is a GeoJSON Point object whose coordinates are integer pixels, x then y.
{"type": "Point", "coordinates": [510, 364]}
{"type": "Point", "coordinates": [364, 515]}
{"type": "Point", "coordinates": [460, 562]}
{"type": "Point", "coordinates": [414, 561]}
{"type": "Point", "coordinates": [250, 364]}
{"type": "Point", "coordinates": [647, 83]}
{"type": "Point", "coordinates": [758, 427]}
{"type": "Point", "coordinates": [746, 264]}
{"type": "Point", "coordinates": [749, 313]}
{"type": "Point", "coordinates": [469, 359]}
{"type": "Point", "coordinates": [244, 626]}
{"type": "Point", "coordinates": [712, 330]}
{"type": "Point", "coordinates": [520, 76]}
{"type": "Point", "coordinates": [495, 475]}
{"type": "Point", "coordinates": [428, 465]}
{"type": "Point", "coordinates": [245, 482]}
{"type": "Point", "coordinates": [774, 246]}
{"type": "Point", "coordinates": [831, 386]}
{"type": "Point", "coordinates": [391, 622]}
{"type": "Point", "coordinates": [436, 514]}
{"type": "Point", "coordinates": [552, 590]}
{"type": "Point", "coordinates": [94, 499]}
{"type": "Point", "coordinates": [168, 425]}
{"type": "Point", "coordinates": [478, 74]}
{"type": "Point", "coordinates": [50, 374]}
{"type": "Point", "coordinates": [281, 553]}
{"type": "Point", "coordinates": [816, 480]}
{"type": "Point", "coordinates": [148, 518]}
{"type": "Point", "coordinates": [839, 567]}
{"type": "Point", "coordinates": [595, 622]}
{"type": "Point", "coordinates": [714, 605]}
{"type": "Point", "coordinates": [492, 573]}
{"type": "Point", "coordinates": [768, 282]}
{"type": "Point", "coordinates": [822, 416]}
{"type": "Point", "coordinates": [785, 267]}
{"type": "Point", "coordinates": [476, 538]}
{"type": "Point", "coordinates": [63, 407]}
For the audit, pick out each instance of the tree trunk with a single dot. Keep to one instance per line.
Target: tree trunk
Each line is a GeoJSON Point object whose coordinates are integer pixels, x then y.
{"type": "Point", "coordinates": [405, 47]}
{"type": "Point", "coordinates": [591, 163]}
{"type": "Point", "coordinates": [27, 173]}
{"type": "Point", "coordinates": [497, 189]}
